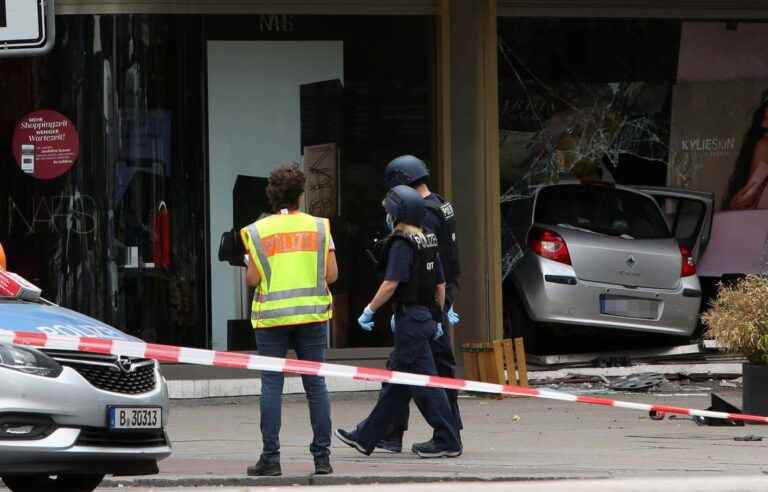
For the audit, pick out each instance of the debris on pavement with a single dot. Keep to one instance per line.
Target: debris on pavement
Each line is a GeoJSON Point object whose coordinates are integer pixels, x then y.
{"type": "Point", "coordinates": [638, 382]}
{"type": "Point", "coordinates": [749, 438]}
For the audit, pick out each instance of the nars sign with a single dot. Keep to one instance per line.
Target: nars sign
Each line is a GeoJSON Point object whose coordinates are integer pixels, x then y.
{"type": "Point", "coordinates": [276, 23]}
{"type": "Point", "coordinates": [26, 27]}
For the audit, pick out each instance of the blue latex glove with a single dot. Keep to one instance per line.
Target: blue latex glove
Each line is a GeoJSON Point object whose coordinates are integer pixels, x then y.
{"type": "Point", "coordinates": [392, 323]}
{"type": "Point", "coordinates": [366, 319]}
{"type": "Point", "coordinates": [453, 317]}
{"type": "Point", "coordinates": [439, 331]}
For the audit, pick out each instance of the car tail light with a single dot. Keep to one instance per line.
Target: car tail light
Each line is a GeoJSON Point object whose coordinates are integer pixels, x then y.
{"type": "Point", "coordinates": [689, 265]}
{"type": "Point", "coordinates": [548, 244]}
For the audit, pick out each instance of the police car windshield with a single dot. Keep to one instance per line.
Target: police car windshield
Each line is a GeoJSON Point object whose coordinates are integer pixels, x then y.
{"type": "Point", "coordinates": [603, 210]}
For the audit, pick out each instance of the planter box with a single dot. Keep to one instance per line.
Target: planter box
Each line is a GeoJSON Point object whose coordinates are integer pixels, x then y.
{"type": "Point", "coordinates": [755, 397]}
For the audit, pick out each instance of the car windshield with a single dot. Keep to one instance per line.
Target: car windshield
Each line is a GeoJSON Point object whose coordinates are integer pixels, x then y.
{"type": "Point", "coordinates": [603, 210]}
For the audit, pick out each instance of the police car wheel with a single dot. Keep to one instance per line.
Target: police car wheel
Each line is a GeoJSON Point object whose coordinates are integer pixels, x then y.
{"type": "Point", "coordinates": [59, 483]}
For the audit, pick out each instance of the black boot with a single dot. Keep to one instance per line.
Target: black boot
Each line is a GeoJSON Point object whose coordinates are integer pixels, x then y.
{"type": "Point", "coordinates": [323, 465]}
{"type": "Point", "coordinates": [262, 469]}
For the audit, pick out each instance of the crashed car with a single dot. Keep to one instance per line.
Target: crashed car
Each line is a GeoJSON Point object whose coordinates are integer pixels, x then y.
{"type": "Point", "coordinates": [608, 257]}
{"type": "Point", "coordinates": [68, 418]}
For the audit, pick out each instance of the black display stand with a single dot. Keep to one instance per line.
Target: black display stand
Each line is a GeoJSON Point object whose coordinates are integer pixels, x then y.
{"type": "Point", "coordinates": [240, 335]}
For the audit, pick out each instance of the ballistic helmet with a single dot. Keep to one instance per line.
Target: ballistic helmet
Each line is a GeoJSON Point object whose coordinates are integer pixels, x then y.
{"type": "Point", "coordinates": [404, 204]}
{"type": "Point", "coordinates": [405, 170]}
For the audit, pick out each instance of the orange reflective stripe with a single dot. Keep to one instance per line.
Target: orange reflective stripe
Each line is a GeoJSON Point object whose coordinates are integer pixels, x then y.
{"type": "Point", "coordinates": [290, 242]}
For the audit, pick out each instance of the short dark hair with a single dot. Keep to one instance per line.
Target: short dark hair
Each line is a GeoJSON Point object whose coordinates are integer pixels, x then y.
{"type": "Point", "coordinates": [285, 186]}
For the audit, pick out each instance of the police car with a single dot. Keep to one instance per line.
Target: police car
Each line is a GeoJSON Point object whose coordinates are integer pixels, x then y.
{"type": "Point", "coordinates": [69, 418]}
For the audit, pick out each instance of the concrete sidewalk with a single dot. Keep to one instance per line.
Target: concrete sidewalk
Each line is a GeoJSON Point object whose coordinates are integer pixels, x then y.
{"type": "Point", "coordinates": [718, 484]}
{"type": "Point", "coordinates": [215, 440]}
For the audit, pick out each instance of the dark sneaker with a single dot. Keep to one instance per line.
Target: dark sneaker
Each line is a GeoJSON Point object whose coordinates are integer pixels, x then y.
{"type": "Point", "coordinates": [323, 465]}
{"type": "Point", "coordinates": [431, 450]}
{"type": "Point", "coordinates": [262, 469]}
{"type": "Point", "coordinates": [421, 445]}
{"type": "Point", "coordinates": [350, 440]}
{"type": "Point", "coordinates": [390, 445]}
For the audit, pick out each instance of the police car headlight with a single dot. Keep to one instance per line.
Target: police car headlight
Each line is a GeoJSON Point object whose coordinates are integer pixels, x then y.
{"type": "Point", "coordinates": [29, 361]}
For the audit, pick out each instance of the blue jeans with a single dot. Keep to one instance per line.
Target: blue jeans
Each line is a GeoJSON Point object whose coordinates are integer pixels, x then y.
{"type": "Point", "coordinates": [309, 342]}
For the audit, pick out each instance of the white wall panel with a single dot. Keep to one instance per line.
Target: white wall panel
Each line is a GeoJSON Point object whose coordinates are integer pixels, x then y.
{"type": "Point", "coordinates": [254, 124]}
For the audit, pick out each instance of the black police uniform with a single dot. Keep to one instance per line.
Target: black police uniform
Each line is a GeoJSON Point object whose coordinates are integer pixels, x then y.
{"type": "Point", "coordinates": [439, 217]}
{"type": "Point", "coordinates": [415, 264]}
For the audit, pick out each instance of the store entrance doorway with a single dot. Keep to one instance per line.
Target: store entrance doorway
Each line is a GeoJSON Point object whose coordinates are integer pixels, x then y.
{"type": "Point", "coordinates": [254, 119]}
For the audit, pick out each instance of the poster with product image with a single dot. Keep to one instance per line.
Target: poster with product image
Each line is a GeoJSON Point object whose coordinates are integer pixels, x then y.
{"type": "Point", "coordinates": [718, 141]}
{"type": "Point", "coordinates": [719, 144]}
{"type": "Point", "coordinates": [45, 144]}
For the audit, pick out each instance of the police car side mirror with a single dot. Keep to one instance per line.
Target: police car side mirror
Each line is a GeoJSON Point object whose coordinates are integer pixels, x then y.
{"type": "Point", "coordinates": [231, 249]}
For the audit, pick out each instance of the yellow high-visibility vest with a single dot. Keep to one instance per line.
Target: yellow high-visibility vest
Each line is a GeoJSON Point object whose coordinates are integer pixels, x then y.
{"type": "Point", "coordinates": [290, 252]}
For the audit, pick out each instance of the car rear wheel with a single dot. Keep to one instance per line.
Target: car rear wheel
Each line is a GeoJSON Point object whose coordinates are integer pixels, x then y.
{"type": "Point", "coordinates": [518, 324]}
{"type": "Point", "coordinates": [59, 483]}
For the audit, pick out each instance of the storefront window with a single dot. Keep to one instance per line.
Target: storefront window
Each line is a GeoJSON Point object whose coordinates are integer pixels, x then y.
{"type": "Point", "coordinates": [342, 95]}
{"type": "Point", "coordinates": [121, 234]}
{"type": "Point", "coordinates": [677, 109]}
{"type": "Point", "coordinates": [179, 120]}
{"type": "Point", "coordinates": [581, 98]}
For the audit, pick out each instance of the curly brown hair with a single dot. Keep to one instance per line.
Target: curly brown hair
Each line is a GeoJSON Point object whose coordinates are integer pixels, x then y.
{"type": "Point", "coordinates": [285, 186]}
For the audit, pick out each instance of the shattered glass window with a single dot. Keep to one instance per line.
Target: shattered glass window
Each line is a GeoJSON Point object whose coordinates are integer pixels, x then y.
{"type": "Point", "coordinates": [573, 107]}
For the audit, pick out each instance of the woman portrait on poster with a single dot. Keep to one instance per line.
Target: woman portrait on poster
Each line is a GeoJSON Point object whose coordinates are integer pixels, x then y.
{"type": "Point", "coordinates": [748, 188]}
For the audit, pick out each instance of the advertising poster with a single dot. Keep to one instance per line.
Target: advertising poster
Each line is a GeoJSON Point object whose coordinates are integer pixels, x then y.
{"type": "Point", "coordinates": [718, 141]}
{"type": "Point", "coordinates": [45, 144]}
{"type": "Point", "coordinates": [719, 138]}
{"type": "Point", "coordinates": [719, 144]}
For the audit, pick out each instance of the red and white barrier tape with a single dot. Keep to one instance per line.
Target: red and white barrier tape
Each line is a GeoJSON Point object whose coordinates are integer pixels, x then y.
{"type": "Point", "coordinates": [169, 353]}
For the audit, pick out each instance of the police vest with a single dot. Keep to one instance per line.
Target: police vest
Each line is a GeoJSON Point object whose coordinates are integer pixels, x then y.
{"type": "Point", "coordinates": [420, 288]}
{"type": "Point", "coordinates": [446, 234]}
{"type": "Point", "coordinates": [290, 252]}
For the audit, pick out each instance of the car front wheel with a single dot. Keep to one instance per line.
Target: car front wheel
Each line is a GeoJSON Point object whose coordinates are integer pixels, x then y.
{"type": "Point", "coordinates": [59, 483]}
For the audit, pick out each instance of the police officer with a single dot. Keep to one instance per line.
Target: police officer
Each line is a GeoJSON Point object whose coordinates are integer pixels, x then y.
{"type": "Point", "coordinates": [414, 280]}
{"type": "Point", "coordinates": [440, 218]}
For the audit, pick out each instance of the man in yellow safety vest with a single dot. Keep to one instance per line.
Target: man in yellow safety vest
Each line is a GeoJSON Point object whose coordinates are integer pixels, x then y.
{"type": "Point", "coordinates": [291, 262]}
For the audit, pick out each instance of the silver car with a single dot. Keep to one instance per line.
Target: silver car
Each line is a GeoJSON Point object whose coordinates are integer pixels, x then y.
{"type": "Point", "coordinates": [69, 418]}
{"type": "Point", "coordinates": [606, 256]}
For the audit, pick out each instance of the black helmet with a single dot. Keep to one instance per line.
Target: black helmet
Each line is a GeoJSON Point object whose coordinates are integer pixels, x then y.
{"type": "Point", "coordinates": [404, 170]}
{"type": "Point", "coordinates": [404, 204]}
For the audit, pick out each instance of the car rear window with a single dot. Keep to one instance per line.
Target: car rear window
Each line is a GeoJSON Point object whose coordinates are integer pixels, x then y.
{"type": "Point", "coordinates": [603, 210]}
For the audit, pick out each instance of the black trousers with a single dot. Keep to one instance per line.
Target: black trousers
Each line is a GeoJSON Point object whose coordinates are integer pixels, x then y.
{"type": "Point", "coordinates": [415, 330]}
{"type": "Point", "coordinates": [445, 365]}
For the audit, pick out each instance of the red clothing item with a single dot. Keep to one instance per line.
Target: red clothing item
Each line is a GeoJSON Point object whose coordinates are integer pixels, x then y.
{"type": "Point", "coordinates": [161, 237]}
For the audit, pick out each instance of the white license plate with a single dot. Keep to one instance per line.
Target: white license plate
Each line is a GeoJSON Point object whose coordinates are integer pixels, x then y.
{"type": "Point", "coordinates": [135, 418]}
{"type": "Point", "coordinates": [629, 308]}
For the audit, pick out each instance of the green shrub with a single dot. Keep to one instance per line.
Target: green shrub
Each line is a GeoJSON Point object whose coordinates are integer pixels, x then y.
{"type": "Point", "coordinates": [738, 318]}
